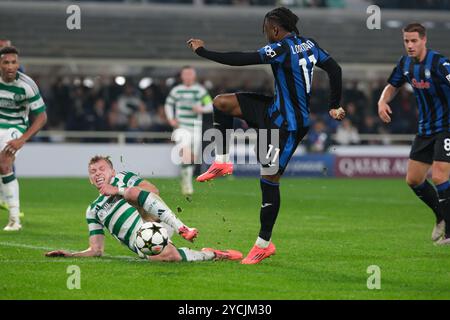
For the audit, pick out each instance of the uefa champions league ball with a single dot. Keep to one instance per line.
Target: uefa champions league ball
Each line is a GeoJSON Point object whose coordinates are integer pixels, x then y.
{"type": "Point", "coordinates": [152, 238]}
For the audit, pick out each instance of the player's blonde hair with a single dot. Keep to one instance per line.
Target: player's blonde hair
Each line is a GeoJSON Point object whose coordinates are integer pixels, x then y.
{"type": "Point", "coordinates": [98, 158]}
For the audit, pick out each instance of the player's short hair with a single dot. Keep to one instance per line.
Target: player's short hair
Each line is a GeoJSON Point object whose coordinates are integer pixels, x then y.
{"type": "Point", "coordinates": [97, 158]}
{"type": "Point", "coordinates": [283, 17]}
{"type": "Point", "coordinates": [416, 27]}
{"type": "Point", "coordinates": [8, 50]}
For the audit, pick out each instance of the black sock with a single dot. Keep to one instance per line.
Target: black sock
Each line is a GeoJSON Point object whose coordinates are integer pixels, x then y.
{"type": "Point", "coordinates": [222, 122]}
{"type": "Point", "coordinates": [269, 207]}
{"type": "Point", "coordinates": [444, 201]}
{"type": "Point", "coordinates": [428, 194]}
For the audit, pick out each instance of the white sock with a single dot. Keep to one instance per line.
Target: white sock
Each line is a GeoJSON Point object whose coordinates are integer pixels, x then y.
{"type": "Point", "coordinates": [11, 192]}
{"type": "Point", "coordinates": [222, 158]}
{"type": "Point", "coordinates": [170, 230]}
{"type": "Point", "coordinates": [2, 194]}
{"type": "Point", "coordinates": [187, 171]}
{"type": "Point", "coordinates": [193, 255]}
{"type": "Point", "coordinates": [156, 207]}
{"type": "Point", "coordinates": [260, 242]}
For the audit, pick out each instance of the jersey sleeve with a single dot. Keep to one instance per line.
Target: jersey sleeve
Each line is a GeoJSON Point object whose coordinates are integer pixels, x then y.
{"type": "Point", "coordinates": [272, 53]}
{"type": "Point", "coordinates": [130, 179]}
{"type": "Point", "coordinates": [444, 69]}
{"type": "Point", "coordinates": [397, 78]}
{"type": "Point", "coordinates": [322, 55]}
{"type": "Point", "coordinates": [170, 105]}
{"type": "Point", "coordinates": [34, 100]}
{"type": "Point", "coordinates": [95, 227]}
{"type": "Point", "coordinates": [205, 98]}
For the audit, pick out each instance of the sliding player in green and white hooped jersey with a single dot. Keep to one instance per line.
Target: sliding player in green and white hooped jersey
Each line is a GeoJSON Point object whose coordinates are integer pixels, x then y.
{"type": "Point", "coordinates": [184, 108]}
{"type": "Point", "coordinates": [19, 96]}
{"type": "Point", "coordinates": [126, 201]}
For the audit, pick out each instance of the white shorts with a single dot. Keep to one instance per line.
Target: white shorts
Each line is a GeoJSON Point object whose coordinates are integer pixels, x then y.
{"type": "Point", "coordinates": [188, 138]}
{"type": "Point", "coordinates": [8, 135]}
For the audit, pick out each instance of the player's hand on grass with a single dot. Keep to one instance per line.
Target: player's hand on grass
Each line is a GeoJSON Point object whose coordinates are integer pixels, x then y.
{"type": "Point", "coordinates": [194, 44]}
{"type": "Point", "coordinates": [337, 114]}
{"type": "Point", "coordinates": [384, 110]}
{"type": "Point", "coordinates": [58, 253]}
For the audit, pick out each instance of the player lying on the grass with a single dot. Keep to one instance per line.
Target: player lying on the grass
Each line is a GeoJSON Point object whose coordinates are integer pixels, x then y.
{"type": "Point", "coordinates": [126, 201]}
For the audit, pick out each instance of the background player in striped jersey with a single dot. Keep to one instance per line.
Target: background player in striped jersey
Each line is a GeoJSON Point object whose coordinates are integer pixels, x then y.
{"type": "Point", "coordinates": [292, 59]}
{"type": "Point", "coordinates": [184, 108]}
{"type": "Point", "coordinates": [19, 96]}
{"type": "Point", "coordinates": [125, 202]}
{"type": "Point", "coordinates": [429, 74]}
{"type": "Point", "coordinates": [3, 204]}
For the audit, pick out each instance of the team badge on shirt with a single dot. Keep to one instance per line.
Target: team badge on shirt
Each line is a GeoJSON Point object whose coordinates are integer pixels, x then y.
{"type": "Point", "coordinates": [270, 52]}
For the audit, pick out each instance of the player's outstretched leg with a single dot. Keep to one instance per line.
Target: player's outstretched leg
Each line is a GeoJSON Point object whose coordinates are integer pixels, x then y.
{"type": "Point", "coordinates": [228, 254]}
{"type": "Point", "coordinates": [270, 206]}
{"type": "Point", "coordinates": [172, 254]}
{"type": "Point", "coordinates": [155, 206]}
{"type": "Point", "coordinates": [225, 108]}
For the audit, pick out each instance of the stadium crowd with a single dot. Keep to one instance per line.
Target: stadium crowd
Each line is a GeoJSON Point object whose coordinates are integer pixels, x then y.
{"type": "Point", "coordinates": [79, 105]}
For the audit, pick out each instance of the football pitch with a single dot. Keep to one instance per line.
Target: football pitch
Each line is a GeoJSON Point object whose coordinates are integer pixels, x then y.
{"type": "Point", "coordinates": [329, 231]}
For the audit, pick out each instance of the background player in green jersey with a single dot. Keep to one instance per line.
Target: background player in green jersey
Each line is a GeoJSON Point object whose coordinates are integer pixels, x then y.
{"type": "Point", "coordinates": [185, 105]}
{"type": "Point", "coordinates": [3, 204]}
{"type": "Point", "coordinates": [125, 202]}
{"type": "Point", "coordinates": [19, 95]}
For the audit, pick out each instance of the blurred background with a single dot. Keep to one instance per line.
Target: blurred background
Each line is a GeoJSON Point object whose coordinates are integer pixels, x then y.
{"type": "Point", "coordinates": [105, 84]}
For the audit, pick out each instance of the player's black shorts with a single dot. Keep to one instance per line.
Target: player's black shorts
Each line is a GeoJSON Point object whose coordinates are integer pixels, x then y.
{"type": "Point", "coordinates": [431, 148]}
{"type": "Point", "coordinates": [274, 155]}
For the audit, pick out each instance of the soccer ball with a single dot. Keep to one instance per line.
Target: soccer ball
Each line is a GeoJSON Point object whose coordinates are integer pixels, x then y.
{"type": "Point", "coordinates": [152, 238]}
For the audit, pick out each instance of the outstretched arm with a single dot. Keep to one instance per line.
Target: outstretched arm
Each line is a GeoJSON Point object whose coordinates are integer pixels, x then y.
{"type": "Point", "coordinates": [384, 110]}
{"type": "Point", "coordinates": [228, 58]}
{"type": "Point", "coordinates": [334, 71]}
{"type": "Point", "coordinates": [96, 248]}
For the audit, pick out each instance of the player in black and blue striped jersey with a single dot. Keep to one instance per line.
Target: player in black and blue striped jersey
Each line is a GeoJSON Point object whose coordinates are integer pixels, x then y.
{"type": "Point", "coordinates": [428, 72]}
{"type": "Point", "coordinates": [292, 58]}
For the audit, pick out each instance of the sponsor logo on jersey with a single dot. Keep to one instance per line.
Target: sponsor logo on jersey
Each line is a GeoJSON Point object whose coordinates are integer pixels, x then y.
{"type": "Point", "coordinates": [427, 73]}
{"type": "Point", "coordinates": [420, 84]}
{"type": "Point", "coordinates": [448, 77]}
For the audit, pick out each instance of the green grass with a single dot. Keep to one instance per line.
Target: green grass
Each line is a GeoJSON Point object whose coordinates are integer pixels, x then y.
{"type": "Point", "coordinates": [328, 232]}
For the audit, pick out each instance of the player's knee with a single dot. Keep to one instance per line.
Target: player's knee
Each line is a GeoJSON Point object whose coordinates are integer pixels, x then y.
{"type": "Point", "coordinates": [414, 181]}
{"type": "Point", "coordinates": [220, 103]}
{"type": "Point", "coordinates": [439, 177]}
{"type": "Point", "coordinates": [5, 167]}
